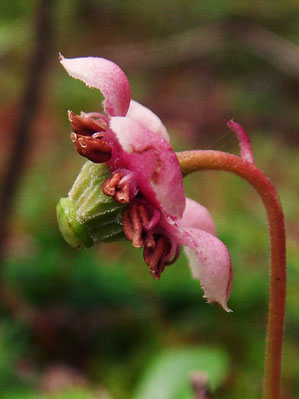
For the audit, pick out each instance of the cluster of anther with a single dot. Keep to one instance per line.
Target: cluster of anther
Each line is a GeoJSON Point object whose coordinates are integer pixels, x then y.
{"type": "Point", "coordinates": [117, 188]}
{"type": "Point", "coordinates": [88, 133]}
{"type": "Point", "coordinates": [156, 247]}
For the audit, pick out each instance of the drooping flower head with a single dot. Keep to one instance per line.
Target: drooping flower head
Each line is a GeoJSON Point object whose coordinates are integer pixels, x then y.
{"type": "Point", "coordinates": [146, 177]}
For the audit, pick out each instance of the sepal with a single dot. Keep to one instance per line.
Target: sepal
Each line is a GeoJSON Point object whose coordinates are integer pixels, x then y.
{"type": "Point", "coordinates": [87, 216]}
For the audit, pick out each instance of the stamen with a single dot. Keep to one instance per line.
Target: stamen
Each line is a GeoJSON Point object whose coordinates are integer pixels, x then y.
{"type": "Point", "coordinates": [175, 258]}
{"type": "Point", "coordinates": [155, 257]}
{"type": "Point", "coordinates": [149, 238]}
{"type": "Point", "coordinates": [121, 186]}
{"type": "Point", "coordinates": [158, 249]}
{"type": "Point", "coordinates": [93, 148]}
{"type": "Point", "coordinates": [123, 195]}
{"type": "Point", "coordinates": [96, 115]}
{"type": "Point", "coordinates": [82, 142]}
{"type": "Point", "coordinates": [73, 137]}
{"type": "Point", "coordinates": [132, 225]}
{"type": "Point", "coordinates": [154, 220]}
{"type": "Point", "coordinates": [86, 126]}
{"type": "Point", "coordinates": [134, 220]}
{"type": "Point", "coordinates": [109, 187]}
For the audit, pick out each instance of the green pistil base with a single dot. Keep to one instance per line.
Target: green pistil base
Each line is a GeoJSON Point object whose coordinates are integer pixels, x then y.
{"type": "Point", "coordinates": [88, 216]}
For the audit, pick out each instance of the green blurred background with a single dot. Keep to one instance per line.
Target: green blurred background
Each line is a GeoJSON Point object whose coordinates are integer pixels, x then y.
{"type": "Point", "coordinates": [93, 323]}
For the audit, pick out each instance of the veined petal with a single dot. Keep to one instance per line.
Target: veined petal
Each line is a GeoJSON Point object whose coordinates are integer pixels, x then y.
{"type": "Point", "coordinates": [155, 163]}
{"type": "Point", "coordinates": [147, 118]}
{"type": "Point", "coordinates": [104, 75]}
{"type": "Point", "coordinates": [208, 257]}
{"type": "Point", "coordinates": [196, 215]}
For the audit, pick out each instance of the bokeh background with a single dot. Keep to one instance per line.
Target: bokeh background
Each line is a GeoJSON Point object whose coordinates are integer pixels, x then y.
{"type": "Point", "coordinates": [93, 323]}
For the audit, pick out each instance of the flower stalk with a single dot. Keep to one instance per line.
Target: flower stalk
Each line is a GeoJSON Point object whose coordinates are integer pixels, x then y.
{"type": "Point", "coordinates": [191, 161]}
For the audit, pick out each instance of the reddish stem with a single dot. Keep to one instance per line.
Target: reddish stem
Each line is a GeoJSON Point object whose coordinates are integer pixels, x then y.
{"type": "Point", "coordinates": [192, 161]}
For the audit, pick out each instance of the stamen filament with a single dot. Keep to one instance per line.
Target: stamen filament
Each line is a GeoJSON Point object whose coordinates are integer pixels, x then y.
{"type": "Point", "coordinates": [132, 225]}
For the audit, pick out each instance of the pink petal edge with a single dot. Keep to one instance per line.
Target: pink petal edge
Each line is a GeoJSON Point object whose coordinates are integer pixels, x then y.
{"type": "Point", "coordinates": [244, 141]}
{"type": "Point", "coordinates": [147, 118]}
{"type": "Point", "coordinates": [209, 260]}
{"type": "Point", "coordinates": [197, 216]}
{"type": "Point", "coordinates": [155, 163]}
{"type": "Point", "coordinates": [104, 75]}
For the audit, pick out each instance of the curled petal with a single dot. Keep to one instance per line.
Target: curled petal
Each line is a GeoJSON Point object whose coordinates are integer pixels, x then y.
{"type": "Point", "coordinates": [209, 260]}
{"type": "Point", "coordinates": [244, 141]}
{"type": "Point", "coordinates": [104, 75]}
{"type": "Point", "coordinates": [196, 215]}
{"type": "Point", "coordinates": [147, 118]}
{"type": "Point", "coordinates": [156, 165]}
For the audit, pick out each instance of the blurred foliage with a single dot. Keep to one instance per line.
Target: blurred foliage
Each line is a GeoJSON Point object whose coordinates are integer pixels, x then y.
{"type": "Point", "coordinates": [169, 375]}
{"type": "Point", "coordinates": [93, 323]}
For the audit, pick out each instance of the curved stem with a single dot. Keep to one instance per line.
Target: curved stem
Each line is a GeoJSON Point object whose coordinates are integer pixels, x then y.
{"type": "Point", "coordinates": [192, 161]}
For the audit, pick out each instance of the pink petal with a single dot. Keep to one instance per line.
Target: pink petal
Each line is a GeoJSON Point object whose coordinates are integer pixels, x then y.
{"type": "Point", "coordinates": [208, 257]}
{"type": "Point", "coordinates": [104, 75]}
{"type": "Point", "coordinates": [244, 141]}
{"type": "Point", "coordinates": [196, 215]}
{"type": "Point", "coordinates": [155, 163]}
{"type": "Point", "coordinates": [147, 118]}
{"type": "Point", "coordinates": [210, 262]}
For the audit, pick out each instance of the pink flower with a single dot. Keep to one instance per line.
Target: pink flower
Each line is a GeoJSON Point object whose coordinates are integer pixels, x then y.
{"type": "Point", "coordinates": [146, 176]}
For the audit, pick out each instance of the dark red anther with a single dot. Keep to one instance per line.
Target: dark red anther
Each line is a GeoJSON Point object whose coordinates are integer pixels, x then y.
{"type": "Point", "coordinates": [155, 257]}
{"type": "Point", "coordinates": [123, 195]}
{"type": "Point", "coordinates": [134, 221]}
{"type": "Point", "coordinates": [174, 259]}
{"type": "Point", "coordinates": [132, 225]}
{"type": "Point", "coordinates": [149, 240]}
{"type": "Point", "coordinates": [86, 125]}
{"type": "Point", "coordinates": [92, 147]}
{"type": "Point", "coordinates": [157, 248]}
{"type": "Point", "coordinates": [114, 187]}
{"type": "Point", "coordinates": [110, 185]}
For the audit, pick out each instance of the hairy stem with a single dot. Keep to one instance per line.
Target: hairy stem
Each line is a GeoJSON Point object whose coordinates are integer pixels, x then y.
{"type": "Point", "coordinates": [192, 161]}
